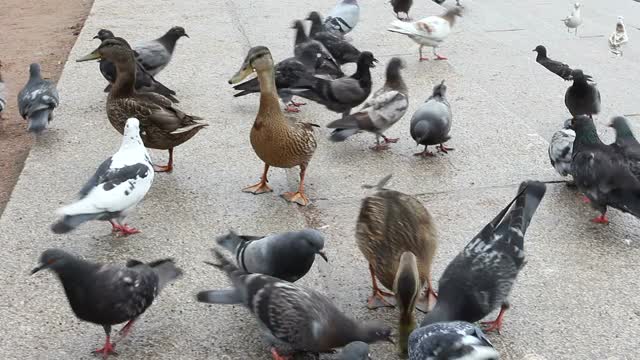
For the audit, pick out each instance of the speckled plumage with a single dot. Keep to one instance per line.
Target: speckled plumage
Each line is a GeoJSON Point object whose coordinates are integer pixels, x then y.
{"type": "Point", "coordinates": [456, 340]}
{"type": "Point", "coordinates": [37, 100]}
{"type": "Point", "coordinates": [561, 149]}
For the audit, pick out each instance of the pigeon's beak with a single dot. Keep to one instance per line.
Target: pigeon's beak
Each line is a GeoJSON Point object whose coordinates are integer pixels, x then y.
{"type": "Point", "coordinates": [323, 255]}
{"type": "Point", "coordinates": [245, 71]}
{"type": "Point", "coordinates": [390, 339]}
{"type": "Point", "coordinates": [185, 34]}
{"type": "Point", "coordinates": [95, 55]}
{"type": "Point", "coordinates": [38, 268]}
{"type": "Point", "coordinates": [534, 50]}
{"type": "Point", "coordinates": [96, 37]}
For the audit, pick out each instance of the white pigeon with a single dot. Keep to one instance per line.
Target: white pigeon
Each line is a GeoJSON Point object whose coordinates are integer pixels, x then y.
{"type": "Point", "coordinates": [343, 17]}
{"type": "Point", "coordinates": [575, 19]}
{"type": "Point", "coordinates": [618, 38]}
{"type": "Point", "coordinates": [430, 31]}
{"type": "Point", "coordinates": [561, 149]}
{"type": "Point", "coordinates": [118, 185]}
{"type": "Point", "coordinates": [3, 93]}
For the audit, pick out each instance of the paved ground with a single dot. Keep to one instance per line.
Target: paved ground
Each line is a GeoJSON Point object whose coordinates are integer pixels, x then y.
{"type": "Point", "coordinates": [576, 298]}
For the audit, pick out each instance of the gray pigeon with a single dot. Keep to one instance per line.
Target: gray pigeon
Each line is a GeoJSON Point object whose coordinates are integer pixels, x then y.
{"type": "Point", "coordinates": [303, 42]}
{"type": "Point", "coordinates": [387, 106]}
{"type": "Point", "coordinates": [356, 350]}
{"type": "Point", "coordinates": [343, 17]}
{"type": "Point", "coordinates": [287, 256]}
{"type": "Point", "coordinates": [109, 294]}
{"type": "Point", "coordinates": [625, 141]}
{"type": "Point", "coordinates": [293, 318]}
{"type": "Point", "coordinates": [431, 123]}
{"type": "Point", "coordinates": [604, 175]}
{"type": "Point", "coordinates": [456, 340]}
{"type": "Point", "coordinates": [402, 6]}
{"type": "Point", "coordinates": [341, 50]}
{"type": "Point", "coordinates": [582, 98]}
{"type": "Point", "coordinates": [561, 149]}
{"type": "Point", "coordinates": [155, 55]}
{"type": "Point", "coordinates": [3, 93]}
{"type": "Point", "coordinates": [480, 278]}
{"type": "Point", "coordinates": [37, 100]}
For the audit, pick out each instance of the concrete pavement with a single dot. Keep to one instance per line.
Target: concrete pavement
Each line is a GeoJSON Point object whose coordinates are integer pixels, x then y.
{"type": "Point", "coordinates": [576, 298]}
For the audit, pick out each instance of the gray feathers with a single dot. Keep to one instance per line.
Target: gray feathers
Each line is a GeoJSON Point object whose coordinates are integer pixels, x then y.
{"type": "Point", "coordinates": [455, 340]}
{"type": "Point", "coordinates": [356, 350]}
{"type": "Point", "coordinates": [343, 17]}
{"type": "Point", "coordinates": [37, 100]}
{"type": "Point", "coordinates": [156, 54]}
{"type": "Point", "coordinates": [561, 149]}
{"type": "Point", "coordinates": [431, 123]}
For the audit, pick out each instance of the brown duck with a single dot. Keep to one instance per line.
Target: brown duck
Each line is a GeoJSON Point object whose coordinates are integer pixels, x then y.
{"type": "Point", "coordinates": [391, 223]}
{"type": "Point", "coordinates": [277, 141]}
{"type": "Point", "coordinates": [162, 125]}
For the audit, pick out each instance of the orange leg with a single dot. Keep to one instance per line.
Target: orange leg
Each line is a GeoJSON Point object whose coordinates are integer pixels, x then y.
{"type": "Point", "coordinates": [425, 153]}
{"type": "Point", "coordinates": [168, 167]}
{"type": "Point", "coordinates": [261, 187]}
{"type": "Point", "coordinates": [428, 298]}
{"type": "Point", "coordinates": [277, 356]}
{"type": "Point", "coordinates": [378, 298]}
{"type": "Point", "coordinates": [497, 323]}
{"type": "Point", "coordinates": [298, 197]}
{"type": "Point", "coordinates": [444, 149]}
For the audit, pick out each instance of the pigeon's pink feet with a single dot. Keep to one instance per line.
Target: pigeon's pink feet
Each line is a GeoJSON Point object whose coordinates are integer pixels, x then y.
{"type": "Point", "coordinates": [438, 57]}
{"type": "Point", "coordinates": [107, 349]}
{"type": "Point", "coordinates": [390, 140]}
{"type": "Point", "coordinates": [585, 200]}
{"type": "Point", "coordinates": [602, 219]}
{"type": "Point", "coordinates": [126, 330]}
{"type": "Point", "coordinates": [496, 324]}
{"type": "Point", "coordinates": [291, 109]}
{"type": "Point", "coordinates": [424, 153]}
{"type": "Point", "coordinates": [443, 148]}
{"type": "Point", "coordinates": [277, 356]}
{"type": "Point", "coordinates": [297, 104]}
{"type": "Point", "coordinates": [123, 230]}
{"type": "Point", "coordinates": [380, 147]}
{"type": "Point", "coordinates": [422, 58]}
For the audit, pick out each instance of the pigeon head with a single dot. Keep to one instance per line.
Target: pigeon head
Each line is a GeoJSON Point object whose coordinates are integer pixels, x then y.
{"type": "Point", "coordinates": [568, 124]}
{"type": "Point", "coordinates": [311, 240]}
{"type": "Point", "coordinates": [116, 50]}
{"type": "Point", "coordinates": [620, 124]}
{"type": "Point", "coordinates": [131, 134]}
{"type": "Point", "coordinates": [541, 50]}
{"type": "Point", "coordinates": [176, 32]}
{"type": "Point", "coordinates": [314, 17]}
{"type": "Point", "coordinates": [451, 14]}
{"type": "Point", "coordinates": [440, 90]}
{"type": "Point", "coordinates": [578, 75]}
{"type": "Point", "coordinates": [375, 331]}
{"type": "Point", "coordinates": [104, 34]}
{"type": "Point", "coordinates": [34, 70]}
{"type": "Point", "coordinates": [356, 350]}
{"type": "Point", "coordinates": [393, 67]}
{"type": "Point", "coordinates": [366, 59]}
{"type": "Point", "coordinates": [577, 5]}
{"type": "Point", "coordinates": [53, 259]}
{"type": "Point", "coordinates": [258, 59]}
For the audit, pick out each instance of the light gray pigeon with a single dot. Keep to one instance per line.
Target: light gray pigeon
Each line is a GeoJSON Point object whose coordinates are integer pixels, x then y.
{"type": "Point", "coordinates": [343, 17]}
{"type": "Point", "coordinates": [3, 93]}
{"type": "Point", "coordinates": [287, 256]}
{"type": "Point", "coordinates": [456, 340]}
{"type": "Point", "coordinates": [356, 350]}
{"type": "Point", "coordinates": [155, 55]}
{"type": "Point", "coordinates": [109, 294]}
{"type": "Point", "coordinates": [118, 185]}
{"type": "Point", "coordinates": [293, 318]}
{"type": "Point", "coordinates": [431, 123]}
{"type": "Point", "coordinates": [37, 100]}
{"type": "Point", "coordinates": [387, 106]}
{"type": "Point", "coordinates": [561, 149]}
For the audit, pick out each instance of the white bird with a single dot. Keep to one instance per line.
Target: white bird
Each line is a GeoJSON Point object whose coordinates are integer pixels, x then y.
{"type": "Point", "coordinates": [430, 31]}
{"type": "Point", "coordinates": [561, 149]}
{"type": "Point", "coordinates": [618, 38]}
{"type": "Point", "coordinates": [118, 185]}
{"type": "Point", "coordinates": [343, 17]}
{"type": "Point", "coordinates": [575, 19]}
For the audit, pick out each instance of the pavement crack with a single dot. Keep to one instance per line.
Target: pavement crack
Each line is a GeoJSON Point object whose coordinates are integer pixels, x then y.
{"type": "Point", "coordinates": [234, 15]}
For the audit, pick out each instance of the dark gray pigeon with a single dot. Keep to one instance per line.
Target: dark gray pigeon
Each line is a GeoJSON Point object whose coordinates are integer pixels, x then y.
{"type": "Point", "coordinates": [302, 41]}
{"type": "Point", "coordinates": [145, 82]}
{"type": "Point", "coordinates": [431, 123]}
{"type": "Point", "coordinates": [341, 50]}
{"type": "Point", "coordinates": [603, 174]}
{"type": "Point", "coordinates": [343, 94]}
{"type": "Point", "coordinates": [155, 55]}
{"type": "Point", "coordinates": [356, 350]}
{"type": "Point", "coordinates": [456, 340]}
{"type": "Point", "coordinates": [480, 278]}
{"type": "Point", "coordinates": [582, 98]}
{"type": "Point", "coordinates": [343, 17]}
{"type": "Point", "coordinates": [561, 149]}
{"type": "Point", "coordinates": [3, 93]}
{"type": "Point", "coordinates": [402, 6]}
{"type": "Point", "coordinates": [109, 294]}
{"type": "Point", "coordinates": [561, 69]}
{"type": "Point", "coordinates": [37, 100]}
{"type": "Point", "coordinates": [293, 318]}
{"type": "Point", "coordinates": [287, 256]}
{"type": "Point", "coordinates": [385, 108]}
{"type": "Point", "coordinates": [625, 141]}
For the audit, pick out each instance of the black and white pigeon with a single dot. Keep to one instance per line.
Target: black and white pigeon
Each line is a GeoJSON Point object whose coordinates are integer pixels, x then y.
{"type": "Point", "coordinates": [37, 100]}
{"type": "Point", "coordinates": [293, 318]}
{"type": "Point", "coordinates": [385, 108]}
{"type": "Point", "coordinates": [3, 93]}
{"type": "Point", "coordinates": [480, 278]}
{"type": "Point", "coordinates": [561, 69]}
{"type": "Point", "coordinates": [145, 82]}
{"type": "Point", "coordinates": [431, 123]}
{"type": "Point", "coordinates": [341, 50]}
{"type": "Point", "coordinates": [287, 256]}
{"type": "Point", "coordinates": [456, 340]}
{"type": "Point", "coordinates": [356, 350]}
{"type": "Point", "coordinates": [109, 294]}
{"type": "Point", "coordinates": [118, 185]}
{"type": "Point", "coordinates": [561, 149]}
{"type": "Point", "coordinates": [155, 55]}
{"type": "Point", "coordinates": [582, 98]}
{"type": "Point", "coordinates": [343, 94]}
{"type": "Point", "coordinates": [602, 173]}
{"type": "Point", "coordinates": [402, 6]}
{"type": "Point", "coordinates": [343, 17]}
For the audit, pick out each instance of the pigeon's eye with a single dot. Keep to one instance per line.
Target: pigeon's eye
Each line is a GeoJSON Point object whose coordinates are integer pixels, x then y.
{"type": "Point", "coordinates": [51, 261]}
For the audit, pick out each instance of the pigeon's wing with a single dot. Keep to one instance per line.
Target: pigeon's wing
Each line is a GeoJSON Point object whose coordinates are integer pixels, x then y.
{"type": "Point", "coordinates": [450, 340]}
{"type": "Point", "coordinates": [561, 151]}
{"type": "Point", "coordinates": [346, 91]}
{"type": "Point", "coordinates": [37, 95]}
{"type": "Point", "coordinates": [561, 69]}
{"type": "Point", "coordinates": [153, 56]}
{"type": "Point", "coordinates": [341, 50]}
{"type": "Point", "coordinates": [360, 120]}
{"type": "Point", "coordinates": [387, 108]}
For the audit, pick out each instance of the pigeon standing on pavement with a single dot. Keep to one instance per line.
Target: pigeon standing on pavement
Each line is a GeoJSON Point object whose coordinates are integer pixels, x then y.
{"type": "Point", "coordinates": [625, 141]}
{"type": "Point", "coordinates": [431, 123]}
{"type": "Point", "coordinates": [287, 256]}
{"type": "Point", "coordinates": [118, 185]}
{"type": "Point", "coordinates": [341, 50]}
{"type": "Point", "coordinates": [561, 149]}
{"type": "Point", "coordinates": [3, 93]}
{"type": "Point", "coordinates": [430, 31]}
{"type": "Point", "coordinates": [574, 20]}
{"type": "Point", "coordinates": [356, 350]}
{"type": "Point", "coordinates": [37, 100]}
{"type": "Point", "coordinates": [343, 17]}
{"type": "Point", "coordinates": [387, 106]}
{"type": "Point", "coordinates": [618, 38]}
{"type": "Point", "coordinates": [293, 318]}
{"type": "Point", "coordinates": [603, 174]}
{"type": "Point", "coordinates": [402, 6]}
{"type": "Point", "coordinates": [155, 55]}
{"type": "Point", "coordinates": [109, 294]}
{"type": "Point", "coordinates": [456, 340]}
{"type": "Point", "coordinates": [480, 278]}
{"type": "Point", "coordinates": [581, 97]}
{"type": "Point", "coordinates": [561, 69]}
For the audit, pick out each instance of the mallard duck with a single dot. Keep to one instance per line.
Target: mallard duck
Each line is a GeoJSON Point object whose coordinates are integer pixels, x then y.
{"type": "Point", "coordinates": [162, 126]}
{"type": "Point", "coordinates": [275, 140]}
{"type": "Point", "coordinates": [406, 287]}
{"type": "Point", "coordinates": [391, 223]}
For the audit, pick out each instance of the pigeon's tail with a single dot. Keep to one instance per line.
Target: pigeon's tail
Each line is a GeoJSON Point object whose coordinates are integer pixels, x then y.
{"type": "Point", "coordinates": [70, 222]}
{"type": "Point", "coordinates": [339, 135]}
{"type": "Point", "coordinates": [530, 193]}
{"type": "Point", "coordinates": [223, 296]}
{"type": "Point", "coordinates": [38, 121]}
{"type": "Point", "coordinates": [231, 241]}
{"type": "Point", "coordinates": [403, 27]}
{"type": "Point", "coordinates": [166, 270]}
{"type": "Point", "coordinates": [247, 87]}
{"type": "Point", "coordinates": [479, 351]}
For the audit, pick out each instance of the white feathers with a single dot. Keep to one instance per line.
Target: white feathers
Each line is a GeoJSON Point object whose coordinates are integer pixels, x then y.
{"type": "Point", "coordinates": [561, 150]}
{"type": "Point", "coordinates": [343, 17]}
{"type": "Point", "coordinates": [385, 108]}
{"type": "Point", "coordinates": [430, 31]}
{"type": "Point", "coordinates": [618, 37]}
{"type": "Point", "coordinates": [574, 19]}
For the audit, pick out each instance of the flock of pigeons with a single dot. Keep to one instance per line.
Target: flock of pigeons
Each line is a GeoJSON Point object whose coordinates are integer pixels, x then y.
{"type": "Point", "coordinates": [395, 232]}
